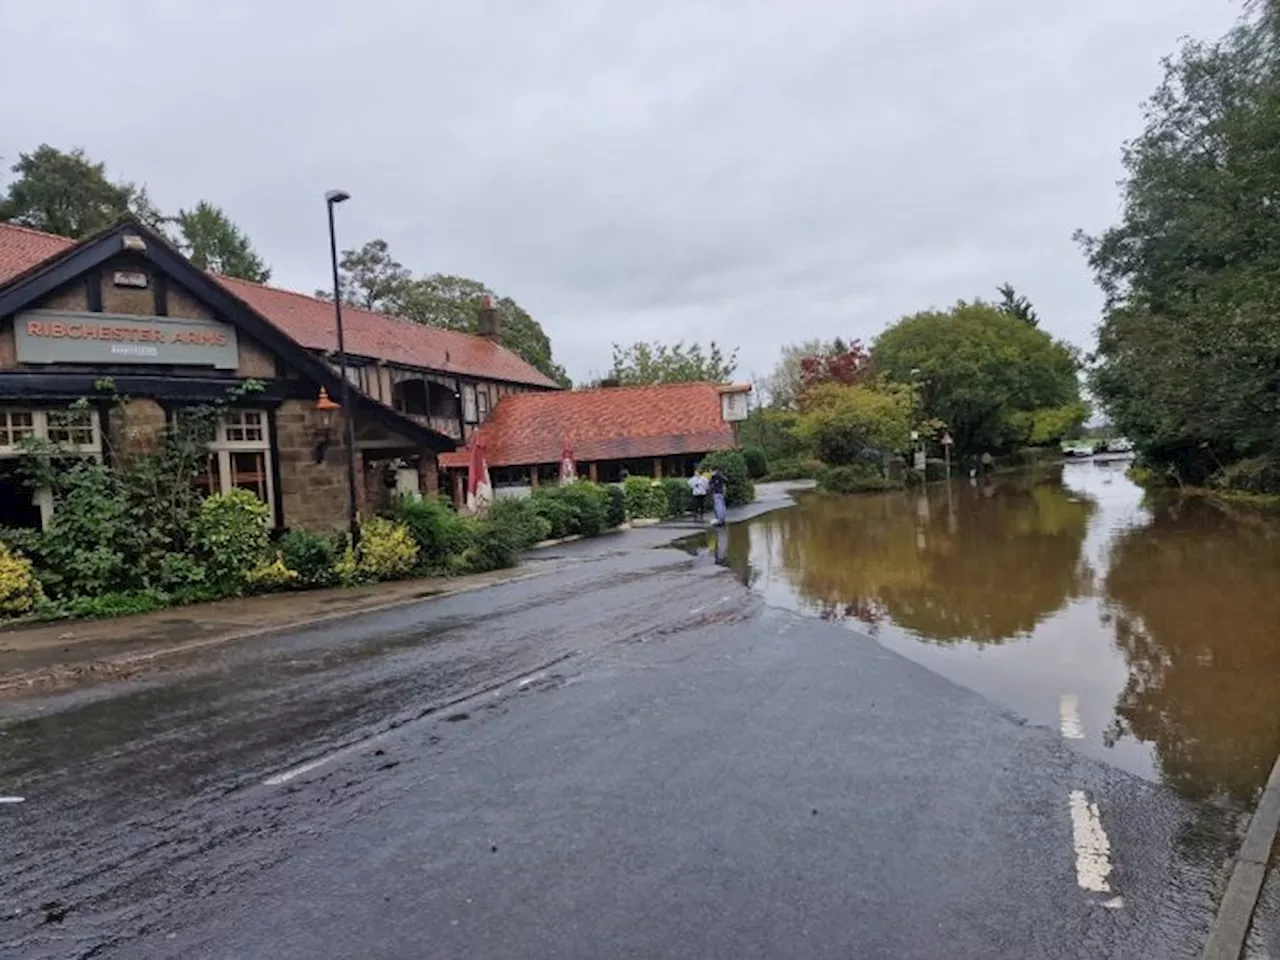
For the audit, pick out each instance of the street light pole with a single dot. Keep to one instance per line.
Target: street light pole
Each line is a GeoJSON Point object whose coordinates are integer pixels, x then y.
{"type": "Point", "coordinates": [332, 198]}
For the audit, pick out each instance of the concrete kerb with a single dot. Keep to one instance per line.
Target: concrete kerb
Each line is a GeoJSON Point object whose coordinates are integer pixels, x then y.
{"type": "Point", "coordinates": [1230, 927]}
{"type": "Point", "coordinates": [32, 678]}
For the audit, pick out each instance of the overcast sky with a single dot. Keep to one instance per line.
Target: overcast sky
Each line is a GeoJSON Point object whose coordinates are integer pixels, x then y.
{"type": "Point", "coordinates": [757, 172]}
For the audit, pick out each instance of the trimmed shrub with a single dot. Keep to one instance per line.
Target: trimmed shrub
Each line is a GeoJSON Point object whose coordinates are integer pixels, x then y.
{"type": "Point", "coordinates": [794, 470]}
{"type": "Point", "coordinates": [580, 508]}
{"type": "Point", "coordinates": [439, 533]}
{"type": "Point", "coordinates": [521, 519]}
{"type": "Point", "coordinates": [311, 556]}
{"type": "Point", "coordinates": [495, 546]}
{"type": "Point", "coordinates": [645, 498]}
{"type": "Point", "coordinates": [273, 575]}
{"type": "Point", "coordinates": [858, 478]}
{"type": "Point", "coordinates": [560, 515]}
{"type": "Point", "coordinates": [757, 462]}
{"type": "Point", "coordinates": [635, 492]}
{"type": "Point", "coordinates": [591, 503]}
{"type": "Point", "coordinates": [388, 550]}
{"type": "Point", "coordinates": [114, 604]}
{"type": "Point", "coordinates": [20, 591]}
{"type": "Point", "coordinates": [615, 515]}
{"type": "Point", "coordinates": [738, 488]}
{"type": "Point", "coordinates": [679, 496]}
{"type": "Point", "coordinates": [230, 536]}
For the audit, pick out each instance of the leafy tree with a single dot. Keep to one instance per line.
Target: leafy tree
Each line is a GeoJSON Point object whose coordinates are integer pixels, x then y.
{"type": "Point", "coordinates": [1189, 350]}
{"type": "Point", "coordinates": [848, 423]}
{"type": "Point", "coordinates": [979, 370]}
{"type": "Point", "coordinates": [1016, 305]}
{"type": "Point", "coordinates": [644, 363]}
{"type": "Point", "coordinates": [68, 194]}
{"type": "Point", "coordinates": [373, 279]}
{"type": "Point", "coordinates": [213, 242]}
{"type": "Point", "coordinates": [783, 385]}
{"type": "Point", "coordinates": [838, 363]}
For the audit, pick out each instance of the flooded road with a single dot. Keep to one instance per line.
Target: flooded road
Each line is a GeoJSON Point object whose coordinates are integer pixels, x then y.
{"type": "Point", "coordinates": [632, 755]}
{"type": "Point", "coordinates": [1146, 633]}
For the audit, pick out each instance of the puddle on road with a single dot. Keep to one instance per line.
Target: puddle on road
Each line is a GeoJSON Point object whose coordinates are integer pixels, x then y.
{"type": "Point", "coordinates": [1146, 631]}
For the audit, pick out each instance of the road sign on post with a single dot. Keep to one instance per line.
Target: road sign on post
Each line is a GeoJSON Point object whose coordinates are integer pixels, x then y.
{"type": "Point", "coordinates": [946, 451]}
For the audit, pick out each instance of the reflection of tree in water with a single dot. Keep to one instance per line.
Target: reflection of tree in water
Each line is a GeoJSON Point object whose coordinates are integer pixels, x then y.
{"type": "Point", "coordinates": [1197, 615]}
{"type": "Point", "coordinates": [990, 568]}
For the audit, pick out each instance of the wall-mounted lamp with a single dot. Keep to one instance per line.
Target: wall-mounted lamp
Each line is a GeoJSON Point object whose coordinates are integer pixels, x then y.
{"type": "Point", "coordinates": [326, 414]}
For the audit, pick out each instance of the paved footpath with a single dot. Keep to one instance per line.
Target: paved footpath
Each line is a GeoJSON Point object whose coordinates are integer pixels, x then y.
{"type": "Point", "coordinates": [629, 757]}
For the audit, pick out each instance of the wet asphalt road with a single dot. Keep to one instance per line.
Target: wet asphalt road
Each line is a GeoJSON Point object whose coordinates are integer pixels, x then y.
{"type": "Point", "coordinates": [628, 757]}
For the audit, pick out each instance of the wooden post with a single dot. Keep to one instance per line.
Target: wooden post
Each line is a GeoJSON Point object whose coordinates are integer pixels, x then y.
{"type": "Point", "coordinates": [591, 472]}
{"type": "Point", "coordinates": [657, 468]}
{"type": "Point", "coordinates": [533, 476]}
{"type": "Point", "coordinates": [459, 495]}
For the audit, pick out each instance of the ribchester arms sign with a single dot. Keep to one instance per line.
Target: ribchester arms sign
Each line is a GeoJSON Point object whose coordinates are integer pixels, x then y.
{"type": "Point", "coordinates": [57, 336]}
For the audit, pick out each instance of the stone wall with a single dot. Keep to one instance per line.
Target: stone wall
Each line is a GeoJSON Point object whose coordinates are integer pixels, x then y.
{"type": "Point", "coordinates": [314, 495]}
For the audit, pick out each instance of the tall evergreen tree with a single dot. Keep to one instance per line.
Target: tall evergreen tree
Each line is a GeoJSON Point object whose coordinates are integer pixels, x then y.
{"type": "Point", "coordinates": [213, 242]}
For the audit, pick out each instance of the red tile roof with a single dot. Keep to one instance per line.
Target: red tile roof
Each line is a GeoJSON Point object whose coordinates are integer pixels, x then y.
{"type": "Point", "coordinates": [310, 321]}
{"type": "Point", "coordinates": [368, 334]}
{"type": "Point", "coordinates": [617, 423]}
{"type": "Point", "coordinates": [21, 248]}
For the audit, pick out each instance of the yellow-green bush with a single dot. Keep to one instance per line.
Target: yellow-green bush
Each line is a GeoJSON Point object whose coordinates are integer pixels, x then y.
{"type": "Point", "coordinates": [387, 552]}
{"type": "Point", "coordinates": [274, 575]}
{"type": "Point", "coordinates": [20, 591]}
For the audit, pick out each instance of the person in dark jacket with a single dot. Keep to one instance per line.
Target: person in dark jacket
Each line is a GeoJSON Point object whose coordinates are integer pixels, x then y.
{"type": "Point", "coordinates": [718, 486]}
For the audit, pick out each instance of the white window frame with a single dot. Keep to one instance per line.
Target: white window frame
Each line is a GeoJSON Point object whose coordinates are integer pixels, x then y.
{"type": "Point", "coordinates": [222, 448]}
{"type": "Point", "coordinates": [43, 497]}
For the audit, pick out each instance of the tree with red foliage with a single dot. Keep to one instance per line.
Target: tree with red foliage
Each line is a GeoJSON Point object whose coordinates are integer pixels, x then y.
{"type": "Point", "coordinates": [841, 363]}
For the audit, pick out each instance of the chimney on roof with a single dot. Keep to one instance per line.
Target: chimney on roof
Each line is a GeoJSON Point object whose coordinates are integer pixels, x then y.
{"type": "Point", "coordinates": [490, 326]}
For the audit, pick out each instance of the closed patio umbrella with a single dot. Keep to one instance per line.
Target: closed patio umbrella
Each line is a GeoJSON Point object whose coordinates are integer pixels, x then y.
{"type": "Point", "coordinates": [568, 468]}
{"type": "Point", "coordinates": [479, 489]}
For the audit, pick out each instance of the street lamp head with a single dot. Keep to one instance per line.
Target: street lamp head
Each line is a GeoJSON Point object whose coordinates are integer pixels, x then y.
{"type": "Point", "coordinates": [336, 196]}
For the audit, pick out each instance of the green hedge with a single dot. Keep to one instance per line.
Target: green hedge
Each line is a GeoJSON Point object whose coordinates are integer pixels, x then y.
{"type": "Point", "coordinates": [581, 508]}
{"type": "Point", "coordinates": [858, 478]}
{"type": "Point", "coordinates": [646, 498]}
{"type": "Point", "coordinates": [794, 470]}
{"type": "Point", "coordinates": [739, 488]}
{"type": "Point", "coordinates": [757, 462]}
{"type": "Point", "coordinates": [679, 496]}
{"type": "Point", "coordinates": [312, 556]}
{"type": "Point", "coordinates": [440, 533]}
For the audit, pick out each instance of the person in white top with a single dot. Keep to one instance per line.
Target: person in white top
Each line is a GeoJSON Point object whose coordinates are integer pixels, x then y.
{"type": "Point", "coordinates": [698, 486]}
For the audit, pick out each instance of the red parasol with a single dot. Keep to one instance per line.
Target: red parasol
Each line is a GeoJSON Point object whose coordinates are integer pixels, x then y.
{"type": "Point", "coordinates": [568, 466]}
{"type": "Point", "coordinates": [479, 489]}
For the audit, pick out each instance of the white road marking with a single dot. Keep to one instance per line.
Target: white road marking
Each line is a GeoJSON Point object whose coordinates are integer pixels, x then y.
{"type": "Point", "coordinates": [1069, 717]}
{"type": "Point", "coordinates": [1093, 849]}
{"type": "Point", "coordinates": [292, 773]}
{"type": "Point", "coordinates": [1115, 903]}
{"type": "Point", "coordinates": [13, 799]}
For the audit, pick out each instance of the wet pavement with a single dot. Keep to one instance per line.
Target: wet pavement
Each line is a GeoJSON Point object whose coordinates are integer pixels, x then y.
{"type": "Point", "coordinates": [632, 756]}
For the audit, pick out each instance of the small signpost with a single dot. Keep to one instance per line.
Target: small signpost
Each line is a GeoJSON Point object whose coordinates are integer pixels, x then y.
{"type": "Point", "coordinates": [946, 451]}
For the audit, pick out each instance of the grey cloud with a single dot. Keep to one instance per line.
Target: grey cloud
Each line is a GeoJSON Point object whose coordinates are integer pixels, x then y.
{"type": "Point", "coordinates": [758, 172]}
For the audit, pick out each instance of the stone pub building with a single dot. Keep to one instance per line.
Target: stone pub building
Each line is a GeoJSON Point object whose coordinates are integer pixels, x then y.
{"type": "Point", "coordinates": [124, 322]}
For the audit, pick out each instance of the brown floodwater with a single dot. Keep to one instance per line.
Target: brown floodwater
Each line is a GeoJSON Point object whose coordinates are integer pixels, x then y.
{"type": "Point", "coordinates": [1145, 631]}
